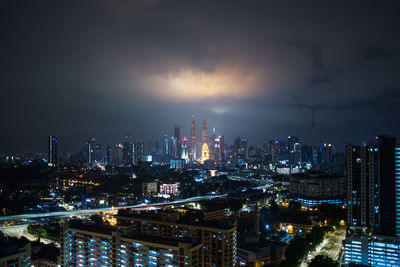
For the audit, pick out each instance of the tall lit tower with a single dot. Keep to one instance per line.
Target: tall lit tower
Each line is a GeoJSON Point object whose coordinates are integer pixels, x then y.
{"type": "Point", "coordinates": [193, 140]}
{"type": "Point", "coordinates": [91, 144]}
{"type": "Point", "coordinates": [185, 154]}
{"type": "Point", "coordinates": [53, 150]}
{"type": "Point", "coordinates": [204, 133]}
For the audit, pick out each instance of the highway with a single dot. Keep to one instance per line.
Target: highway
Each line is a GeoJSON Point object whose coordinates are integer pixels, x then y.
{"type": "Point", "coordinates": [21, 230]}
{"type": "Point", "coordinates": [108, 209]}
{"type": "Point", "coordinates": [331, 246]}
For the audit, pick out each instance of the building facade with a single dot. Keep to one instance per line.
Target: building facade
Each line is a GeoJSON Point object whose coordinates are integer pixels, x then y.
{"type": "Point", "coordinates": [218, 240]}
{"type": "Point", "coordinates": [90, 245]}
{"type": "Point", "coordinates": [373, 181]}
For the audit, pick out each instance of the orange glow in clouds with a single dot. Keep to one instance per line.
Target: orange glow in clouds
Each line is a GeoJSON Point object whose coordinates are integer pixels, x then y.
{"type": "Point", "coordinates": [192, 85]}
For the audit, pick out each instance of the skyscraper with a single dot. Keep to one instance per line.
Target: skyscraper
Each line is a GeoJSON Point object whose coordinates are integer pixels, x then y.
{"type": "Point", "coordinates": [173, 148]}
{"type": "Point", "coordinates": [193, 140]}
{"type": "Point", "coordinates": [185, 149]}
{"type": "Point", "coordinates": [165, 145]}
{"type": "Point", "coordinates": [177, 135]}
{"type": "Point", "coordinates": [371, 184]}
{"type": "Point", "coordinates": [107, 158]}
{"type": "Point", "coordinates": [204, 133]}
{"type": "Point", "coordinates": [53, 159]}
{"type": "Point", "coordinates": [211, 147]}
{"type": "Point", "coordinates": [128, 151]}
{"type": "Point", "coordinates": [373, 181]}
{"type": "Point", "coordinates": [91, 150]}
{"type": "Point", "coordinates": [139, 151]}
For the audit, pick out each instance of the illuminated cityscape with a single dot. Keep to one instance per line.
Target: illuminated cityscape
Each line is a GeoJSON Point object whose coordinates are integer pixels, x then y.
{"type": "Point", "coordinates": [200, 133]}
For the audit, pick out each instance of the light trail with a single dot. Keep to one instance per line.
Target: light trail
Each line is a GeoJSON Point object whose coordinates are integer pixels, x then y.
{"type": "Point", "coordinates": [90, 211]}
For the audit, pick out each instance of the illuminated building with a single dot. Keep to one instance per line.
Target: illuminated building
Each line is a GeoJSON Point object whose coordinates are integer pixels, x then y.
{"type": "Point", "coordinates": [193, 141]}
{"type": "Point", "coordinates": [165, 145]}
{"type": "Point", "coordinates": [211, 146]}
{"type": "Point", "coordinates": [373, 182]}
{"type": "Point", "coordinates": [91, 152]}
{"type": "Point", "coordinates": [217, 238]}
{"type": "Point", "coordinates": [14, 254]}
{"type": "Point", "coordinates": [204, 153]}
{"type": "Point", "coordinates": [173, 149]}
{"type": "Point", "coordinates": [98, 245]}
{"type": "Point", "coordinates": [139, 152]}
{"type": "Point", "coordinates": [149, 188]}
{"type": "Point", "coordinates": [204, 133]}
{"type": "Point", "coordinates": [185, 149]}
{"type": "Point", "coordinates": [372, 251]}
{"type": "Point", "coordinates": [107, 158]}
{"type": "Point", "coordinates": [297, 153]}
{"type": "Point", "coordinates": [314, 189]}
{"type": "Point", "coordinates": [117, 154]}
{"type": "Point", "coordinates": [128, 151]}
{"type": "Point", "coordinates": [53, 159]}
{"type": "Point", "coordinates": [177, 163]}
{"type": "Point", "coordinates": [177, 135]}
{"type": "Point", "coordinates": [370, 172]}
{"type": "Point", "coordinates": [327, 152]}
{"type": "Point", "coordinates": [221, 153]}
{"type": "Point", "coordinates": [170, 189]}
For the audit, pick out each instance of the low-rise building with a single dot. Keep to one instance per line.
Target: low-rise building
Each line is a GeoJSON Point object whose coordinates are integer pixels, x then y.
{"type": "Point", "coordinates": [170, 189]}
{"type": "Point", "coordinates": [314, 189]}
{"type": "Point", "coordinates": [149, 188]}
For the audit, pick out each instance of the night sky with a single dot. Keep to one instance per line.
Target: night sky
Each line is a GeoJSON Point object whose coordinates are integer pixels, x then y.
{"type": "Point", "coordinates": [254, 69]}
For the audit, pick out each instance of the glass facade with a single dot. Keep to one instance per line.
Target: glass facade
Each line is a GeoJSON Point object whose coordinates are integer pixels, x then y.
{"type": "Point", "coordinates": [397, 181]}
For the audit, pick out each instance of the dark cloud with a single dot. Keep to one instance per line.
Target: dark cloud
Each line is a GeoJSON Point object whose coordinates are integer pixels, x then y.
{"type": "Point", "coordinates": [375, 52]}
{"type": "Point", "coordinates": [256, 69]}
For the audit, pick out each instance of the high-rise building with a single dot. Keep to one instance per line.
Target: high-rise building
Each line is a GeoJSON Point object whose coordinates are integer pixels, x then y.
{"type": "Point", "coordinates": [327, 153]}
{"type": "Point", "coordinates": [371, 186]}
{"type": "Point", "coordinates": [91, 150]}
{"type": "Point", "coordinates": [107, 158]}
{"type": "Point", "coordinates": [221, 156]}
{"type": "Point", "coordinates": [53, 158]}
{"type": "Point", "coordinates": [291, 140]}
{"type": "Point", "coordinates": [117, 154]}
{"type": "Point", "coordinates": [372, 203]}
{"type": "Point", "coordinates": [185, 149]}
{"type": "Point", "coordinates": [128, 151]}
{"type": "Point", "coordinates": [211, 145]}
{"type": "Point", "coordinates": [99, 245]}
{"type": "Point", "coordinates": [173, 148]}
{"type": "Point", "coordinates": [361, 179]}
{"type": "Point", "coordinates": [139, 151]}
{"type": "Point", "coordinates": [165, 145]}
{"type": "Point", "coordinates": [177, 135]}
{"type": "Point", "coordinates": [297, 153]}
{"type": "Point", "coordinates": [218, 240]}
{"type": "Point", "coordinates": [205, 153]}
{"type": "Point", "coordinates": [204, 133]}
{"type": "Point", "coordinates": [193, 141]}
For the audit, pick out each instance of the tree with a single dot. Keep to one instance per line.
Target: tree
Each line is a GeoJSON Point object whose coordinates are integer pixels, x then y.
{"type": "Point", "coordinates": [274, 206]}
{"type": "Point", "coordinates": [294, 205]}
{"type": "Point", "coordinates": [323, 261]}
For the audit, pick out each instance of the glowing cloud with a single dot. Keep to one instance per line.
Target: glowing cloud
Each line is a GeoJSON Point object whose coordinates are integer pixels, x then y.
{"type": "Point", "coordinates": [194, 85]}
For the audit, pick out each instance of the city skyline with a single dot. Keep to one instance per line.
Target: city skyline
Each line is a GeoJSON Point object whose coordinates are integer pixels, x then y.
{"type": "Point", "coordinates": [145, 66]}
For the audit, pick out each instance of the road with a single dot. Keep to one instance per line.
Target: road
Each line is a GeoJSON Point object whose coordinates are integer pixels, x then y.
{"type": "Point", "coordinates": [22, 230]}
{"type": "Point", "coordinates": [108, 209]}
{"type": "Point", "coordinates": [331, 246]}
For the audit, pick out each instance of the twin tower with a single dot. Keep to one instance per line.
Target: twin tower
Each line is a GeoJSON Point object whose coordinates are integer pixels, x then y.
{"type": "Point", "coordinates": [195, 147]}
